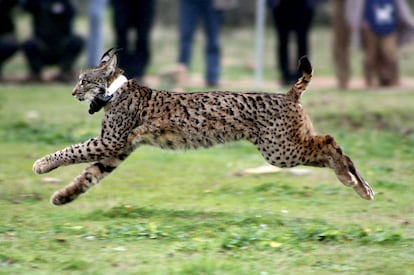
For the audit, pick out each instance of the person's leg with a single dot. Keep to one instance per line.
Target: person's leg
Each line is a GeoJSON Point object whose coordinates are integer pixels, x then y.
{"type": "Point", "coordinates": [341, 45]}
{"type": "Point", "coordinates": [71, 50]}
{"type": "Point", "coordinates": [188, 15]}
{"type": "Point", "coordinates": [142, 21]}
{"type": "Point", "coordinates": [8, 46]}
{"type": "Point", "coordinates": [94, 44]}
{"type": "Point", "coordinates": [282, 29]}
{"type": "Point", "coordinates": [121, 16]}
{"type": "Point", "coordinates": [301, 28]}
{"type": "Point", "coordinates": [388, 52]}
{"type": "Point", "coordinates": [33, 50]}
{"type": "Point", "coordinates": [212, 23]}
{"type": "Point", "coordinates": [370, 56]}
{"type": "Point", "coordinates": [283, 53]}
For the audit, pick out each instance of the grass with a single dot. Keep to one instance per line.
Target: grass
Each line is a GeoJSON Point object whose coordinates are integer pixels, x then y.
{"type": "Point", "coordinates": [164, 212]}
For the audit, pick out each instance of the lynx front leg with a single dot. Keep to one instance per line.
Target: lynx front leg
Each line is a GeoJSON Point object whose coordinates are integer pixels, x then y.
{"type": "Point", "coordinates": [326, 152]}
{"type": "Point", "coordinates": [92, 150]}
{"type": "Point", "coordinates": [88, 178]}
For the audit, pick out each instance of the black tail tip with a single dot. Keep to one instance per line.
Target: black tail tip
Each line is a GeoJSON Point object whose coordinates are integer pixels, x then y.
{"type": "Point", "coordinates": [305, 65]}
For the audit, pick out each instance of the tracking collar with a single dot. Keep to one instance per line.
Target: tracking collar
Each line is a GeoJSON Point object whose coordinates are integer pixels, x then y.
{"type": "Point", "coordinates": [115, 85]}
{"type": "Point", "coordinates": [100, 101]}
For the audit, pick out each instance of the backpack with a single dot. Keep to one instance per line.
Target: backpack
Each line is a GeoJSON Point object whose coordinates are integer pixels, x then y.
{"type": "Point", "coordinates": [381, 16]}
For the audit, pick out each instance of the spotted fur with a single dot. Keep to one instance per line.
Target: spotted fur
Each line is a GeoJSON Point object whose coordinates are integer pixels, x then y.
{"type": "Point", "coordinates": [276, 123]}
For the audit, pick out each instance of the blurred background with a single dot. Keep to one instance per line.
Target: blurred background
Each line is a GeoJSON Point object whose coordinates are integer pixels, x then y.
{"type": "Point", "coordinates": [241, 52]}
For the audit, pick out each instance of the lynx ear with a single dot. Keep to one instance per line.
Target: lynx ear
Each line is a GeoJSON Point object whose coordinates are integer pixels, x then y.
{"type": "Point", "coordinates": [107, 56]}
{"type": "Point", "coordinates": [109, 61]}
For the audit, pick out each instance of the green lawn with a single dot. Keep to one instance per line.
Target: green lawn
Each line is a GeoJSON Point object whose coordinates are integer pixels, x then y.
{"type": "Point", "coordinates": [164, 212]}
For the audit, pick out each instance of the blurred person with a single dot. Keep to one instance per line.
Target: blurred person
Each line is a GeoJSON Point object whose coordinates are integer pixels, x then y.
{"type": "Point", "coordinates": [96, 9]}
{"type": "Point", "coordinates": [341, 43]}
{"type": "Point", "coordinates": [53, 40]}
{"type": "Point", "coordinates": [382, 25]}
{"type": "Point", "coordinates": [8, 40]}
{"type": "Point", "coordinates": [189, 14]}
{"type": "Point", "coordinates": [291, 17]}
{"type": "Point", "coordinates": [136, 15]}
{"type": "Point", "coordinates": [380, 42]}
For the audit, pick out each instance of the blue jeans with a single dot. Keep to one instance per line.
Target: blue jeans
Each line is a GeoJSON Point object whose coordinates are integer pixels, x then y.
{"type": "Point", "coordinates": [94, 44]}
{"type": "Point", "coordinates": [190, 11]}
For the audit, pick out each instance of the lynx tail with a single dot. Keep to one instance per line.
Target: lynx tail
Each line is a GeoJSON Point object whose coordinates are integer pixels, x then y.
{"type": "Point", "coordinates": [300, 86]}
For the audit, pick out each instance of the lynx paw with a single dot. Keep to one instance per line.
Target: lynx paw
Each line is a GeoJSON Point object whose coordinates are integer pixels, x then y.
{"type": "Point", "coordinates": [360, 186]}
{"type": "Point", "coordinates": [364, 190]}
{"type": "Point", "coordinates": [42, 166]}
{"type": "Point", "coordinates": [60, 198]}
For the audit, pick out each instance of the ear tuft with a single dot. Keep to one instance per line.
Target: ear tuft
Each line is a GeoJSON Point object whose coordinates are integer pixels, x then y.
{"type": "Point", "coordinates": [108, 55]}
{"type": "Point", "coordinates": [109, 61]}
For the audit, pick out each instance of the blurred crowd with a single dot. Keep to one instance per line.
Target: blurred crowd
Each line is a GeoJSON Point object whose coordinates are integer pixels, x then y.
{"type": "Point", "coordinates": [377, 27]}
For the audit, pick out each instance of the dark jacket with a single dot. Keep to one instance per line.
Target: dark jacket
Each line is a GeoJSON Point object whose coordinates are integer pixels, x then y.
{"type": "Point", "coordinates": [52, 19]}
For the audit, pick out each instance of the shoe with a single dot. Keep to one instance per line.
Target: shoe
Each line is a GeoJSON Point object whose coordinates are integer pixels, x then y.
{"type": "Point", "coordinates": [388, 82]}
{"type": "Point", "coordinates": [176, 76]}
{"type": "Point", "coordinates": [182, 76]}
{"type": "Point", "coordinates": [213, 84]}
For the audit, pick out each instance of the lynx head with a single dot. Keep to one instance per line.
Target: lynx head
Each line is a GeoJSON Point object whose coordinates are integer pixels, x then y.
{"type": "Point", "coordinates": [93, 82]}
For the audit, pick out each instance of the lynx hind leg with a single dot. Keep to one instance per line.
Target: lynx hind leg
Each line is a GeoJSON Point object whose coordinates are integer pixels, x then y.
{"type": "Point", "coordinates": [87, 179]}
{"type": "Point", "coordinates": [346, 172]}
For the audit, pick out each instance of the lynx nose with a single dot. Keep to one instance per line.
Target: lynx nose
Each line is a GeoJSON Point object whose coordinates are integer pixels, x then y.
{"type": "Point", "coordinates": [75, 91]}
